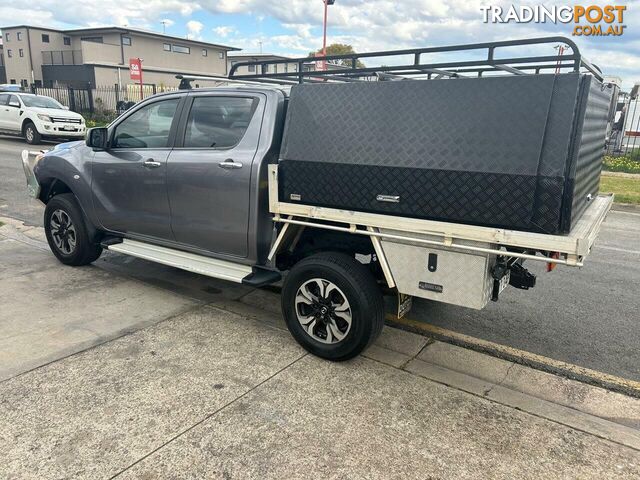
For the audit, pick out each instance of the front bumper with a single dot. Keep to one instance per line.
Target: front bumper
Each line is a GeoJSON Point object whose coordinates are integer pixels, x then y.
{"type": "Point", "coordinates": [70, 130]}
{"type": "Point", "coordinates": [29, 161]}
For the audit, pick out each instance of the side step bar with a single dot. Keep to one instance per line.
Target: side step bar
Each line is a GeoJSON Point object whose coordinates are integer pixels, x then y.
{"type": "Point", "coordinates": [211, 267]}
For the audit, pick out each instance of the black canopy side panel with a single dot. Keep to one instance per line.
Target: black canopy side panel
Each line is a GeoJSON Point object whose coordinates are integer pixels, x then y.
{"type": "Point", "coordinates": [493, 124]}
{"type": "Point", "coordinates": [550, 186]}
{"type": "Point", "coordinates": [486, 151]}
{"type": "Point", "coordinates": [585, 163]}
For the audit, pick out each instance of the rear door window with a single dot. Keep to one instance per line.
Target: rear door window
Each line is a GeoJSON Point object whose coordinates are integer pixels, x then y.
{"type": "Point", "coordinates": [148, 127]}
{"type": "Point", "coordinates": [4, 98]}
{"type": "Point", "coordinates": [218, 122]}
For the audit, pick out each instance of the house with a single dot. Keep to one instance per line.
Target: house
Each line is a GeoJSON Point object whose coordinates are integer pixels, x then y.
{"type": "Point", "coordinates": [239, 57]}
{"type": "Point", "coordinates": [100, 56]}
{"type": "Point", "coordinates": [3, 73]}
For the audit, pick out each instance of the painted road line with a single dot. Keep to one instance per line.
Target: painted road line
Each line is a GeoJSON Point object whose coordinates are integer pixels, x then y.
{"type": "Point", "coordinates": [529, 359]}
{"type": "Point", "coordinates": [616, 249]}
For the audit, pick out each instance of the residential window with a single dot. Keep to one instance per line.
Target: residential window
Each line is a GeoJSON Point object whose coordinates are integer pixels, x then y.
{"type": "Point", "coordinates": [67, 40]}
{"type": "Point", "coordinates": [9, 53]}
{"type": "Point", "coordinates": [180, 49]}
{"type": "Point", "coordinates": [92, 39]}
{"type": "Point", "coordinates": [166, 47]}
{"type": "Point", "coordinates": [45, 38]}
{"type": "Point", "coordinates": [7, 37]}
{"type": "Point", "coordinates": [126, 40]}
{"type": "Point", "coordinates": [204, 52]}
{"type": "Point", "coordinates": [21, 52]}
{"type": "Point", "coordinates": [13, 81]}
{"type": "Point", "coordinates": [19, 36]}
{"type": "Point", "coordinates": [24, 82]}
{"type": "Point", "coordinates": [221, 55]}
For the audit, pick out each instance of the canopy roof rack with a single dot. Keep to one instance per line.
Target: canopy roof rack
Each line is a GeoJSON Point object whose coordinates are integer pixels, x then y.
{"type": "Point", "coordinates": [344, 68]}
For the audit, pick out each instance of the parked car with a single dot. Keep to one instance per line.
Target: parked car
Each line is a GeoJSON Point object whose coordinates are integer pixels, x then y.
{"type": "Point", "coordinates": [10, 87]}
{"type": "Point", "coordinates": [35, 117]}
{"type": "Point", "coordinates": [347, 188]}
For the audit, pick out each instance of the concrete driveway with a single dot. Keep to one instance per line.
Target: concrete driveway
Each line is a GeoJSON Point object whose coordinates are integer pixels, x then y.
{"type": "Point", "coordinates": [107, 376]}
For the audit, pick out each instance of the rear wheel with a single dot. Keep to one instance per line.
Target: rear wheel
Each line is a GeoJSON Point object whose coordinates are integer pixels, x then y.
{"type": "Point", "coordinates": [66, 232]}
{"type": "Point", "coordinates": [332, 305]}
{"type": "Point", "coordinates": [31, 134]}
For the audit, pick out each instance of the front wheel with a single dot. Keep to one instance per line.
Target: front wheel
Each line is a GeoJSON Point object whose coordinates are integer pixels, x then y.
{"type": "Point", "coordinates": [332, 305]}
{"type": "Point", "coordinates": [31, 134]}
{"type": "Point", "coordinates": [66, 232]}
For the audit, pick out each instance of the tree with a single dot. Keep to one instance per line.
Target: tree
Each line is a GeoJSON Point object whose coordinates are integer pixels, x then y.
{"type": "Point", "coordinates": [339, 49]}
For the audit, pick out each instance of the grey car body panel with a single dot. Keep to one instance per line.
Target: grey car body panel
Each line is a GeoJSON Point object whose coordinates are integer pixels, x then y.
{"type": "Point", "coordinates": [210, 204]}
{"type": "Point", "coordinates": [67, 163]}
{"type": "Point", "coordinates": [95, 196]}
{"type": "Point", "coordinates": [129, 198]}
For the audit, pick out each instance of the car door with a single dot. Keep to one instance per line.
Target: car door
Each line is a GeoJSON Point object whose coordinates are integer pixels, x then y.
{"type": "Point", "coordinates": [209, 171]}
{"type": "Point", "coordinates": [4, 110]}
{"type": "Point", "coordinates": [129, 179]}
{"type": "Point", "coordinates": [11, 115]}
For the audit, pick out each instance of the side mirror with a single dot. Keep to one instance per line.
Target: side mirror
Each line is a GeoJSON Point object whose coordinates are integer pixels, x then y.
{"type": "Point", "coordinates": [64, 107]}
{"type": "Point", "coordinates": [98, 138]}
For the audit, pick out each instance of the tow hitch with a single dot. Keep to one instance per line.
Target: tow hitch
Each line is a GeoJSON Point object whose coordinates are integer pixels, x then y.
{"type": "Point", "coordinates": [521, 277]}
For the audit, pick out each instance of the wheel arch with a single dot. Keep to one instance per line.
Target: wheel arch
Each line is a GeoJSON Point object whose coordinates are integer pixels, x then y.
{"type": "Point", "coordinates": [51, 187]}
{"type": "Point", "coordinates": [300, 242]}
{"type": "Point", "coordinates": [25, 122]}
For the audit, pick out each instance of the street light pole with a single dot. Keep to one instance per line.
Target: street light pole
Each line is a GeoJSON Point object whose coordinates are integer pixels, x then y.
{"type": "Point", "coordinates": [324, 34]}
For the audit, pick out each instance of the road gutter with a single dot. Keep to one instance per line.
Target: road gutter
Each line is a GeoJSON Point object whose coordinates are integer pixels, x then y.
{"type": "Point", "coordinates": [529, 359]}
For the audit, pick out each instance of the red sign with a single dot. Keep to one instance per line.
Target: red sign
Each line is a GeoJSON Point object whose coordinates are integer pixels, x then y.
{"type": "Point", "coordinates": [135, 69]}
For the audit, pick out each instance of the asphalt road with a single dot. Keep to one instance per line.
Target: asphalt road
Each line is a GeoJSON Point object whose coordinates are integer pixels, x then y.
{"type": "Point", "coordinates": [589, 316]}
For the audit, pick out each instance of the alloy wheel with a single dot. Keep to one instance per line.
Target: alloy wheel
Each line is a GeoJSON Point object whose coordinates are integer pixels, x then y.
{"type": "Point", "coordinates": [323, 311]}
{"type": "Point", "coordinates": [63, 231]}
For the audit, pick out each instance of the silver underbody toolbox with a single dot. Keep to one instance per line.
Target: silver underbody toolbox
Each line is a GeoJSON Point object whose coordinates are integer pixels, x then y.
{"type": "Point", "coordinates": [446, 275]}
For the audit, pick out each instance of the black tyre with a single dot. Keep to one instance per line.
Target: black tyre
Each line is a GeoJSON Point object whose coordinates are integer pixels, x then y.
{"type": "Point", "coordinates": [66, 231]}
{"type": "Point", "coordinates": [31, 134]}
{"type": "Point", "coordinates": [332, 305]}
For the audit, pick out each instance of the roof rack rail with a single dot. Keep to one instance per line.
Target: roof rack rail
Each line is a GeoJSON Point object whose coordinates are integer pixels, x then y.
{"type": "Point", "coordinates": [518, 65]}
{"type": "Point", "coordinates": [185, 80]}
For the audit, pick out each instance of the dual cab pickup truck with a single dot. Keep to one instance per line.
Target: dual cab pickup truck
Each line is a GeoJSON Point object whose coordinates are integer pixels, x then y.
{"type": "Point", "coordinates": [346, 199]}
{"type": "Point", "coordinates": [35, 117]}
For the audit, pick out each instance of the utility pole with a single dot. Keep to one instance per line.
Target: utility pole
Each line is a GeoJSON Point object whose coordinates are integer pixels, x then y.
{"type": "Point", "coordinates": [324, 33]}
{"type": "Point", "coordinates": [164, 25]}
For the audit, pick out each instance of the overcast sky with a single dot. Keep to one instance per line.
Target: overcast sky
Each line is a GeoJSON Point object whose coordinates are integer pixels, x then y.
{"type": "Point", "coordinates": [294, 27]}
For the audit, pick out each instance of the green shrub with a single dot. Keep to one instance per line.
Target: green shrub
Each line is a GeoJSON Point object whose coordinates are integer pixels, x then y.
{"type": "Point", "coordinates": [621, 164]}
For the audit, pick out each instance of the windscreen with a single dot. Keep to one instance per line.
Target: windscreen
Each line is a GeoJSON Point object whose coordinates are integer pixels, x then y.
{"type": "Point", "coordinates": [39, 101]}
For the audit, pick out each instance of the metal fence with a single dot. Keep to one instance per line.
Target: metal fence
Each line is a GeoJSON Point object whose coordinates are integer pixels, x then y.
{"type": "Point", "coordinates": [109, 100]}
{"type": "Point", "coordinates": [624, 139]}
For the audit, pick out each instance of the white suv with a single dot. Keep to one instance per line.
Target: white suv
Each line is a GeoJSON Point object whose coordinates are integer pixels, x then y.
{"type": "Point", "coordinates": [37, 116]}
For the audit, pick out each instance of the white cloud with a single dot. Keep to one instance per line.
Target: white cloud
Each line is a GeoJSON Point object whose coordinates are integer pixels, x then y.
{"type": "Point", "coordinates": [224, 30]}
{"type": "Point", "coordinates": [194, 28]}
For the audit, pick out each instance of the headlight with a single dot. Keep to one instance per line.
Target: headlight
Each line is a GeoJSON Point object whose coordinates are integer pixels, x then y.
{"type": "Point", "coordinates": [44, 118]}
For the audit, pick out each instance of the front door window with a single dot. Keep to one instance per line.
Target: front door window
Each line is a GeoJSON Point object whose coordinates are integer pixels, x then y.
{"type": "Point", "coordinates": [148, 127]}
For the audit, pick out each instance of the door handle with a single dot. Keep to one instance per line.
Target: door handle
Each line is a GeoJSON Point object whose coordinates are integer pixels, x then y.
{"type": "Point", "coordinates": [151, 163]}
{"type": "Point", "coordinates": [229, 164]}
